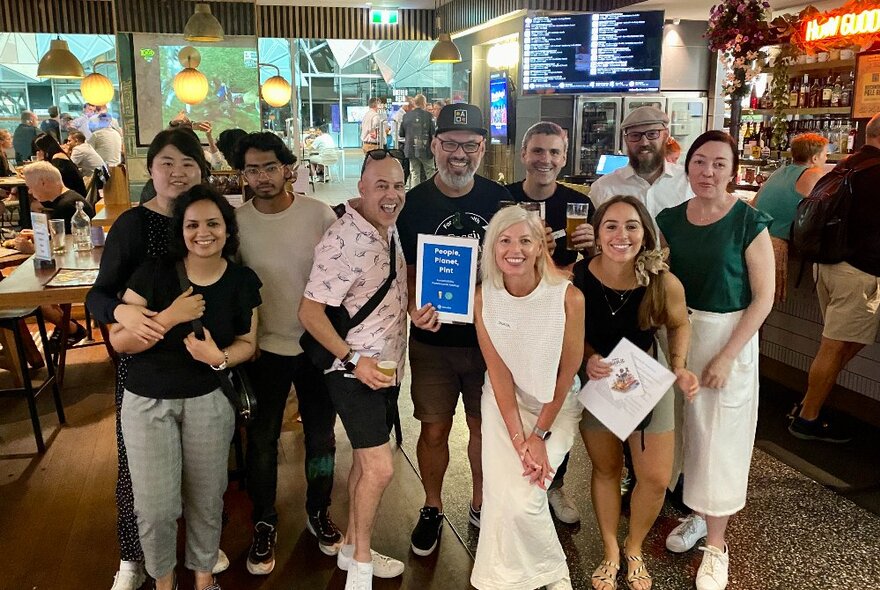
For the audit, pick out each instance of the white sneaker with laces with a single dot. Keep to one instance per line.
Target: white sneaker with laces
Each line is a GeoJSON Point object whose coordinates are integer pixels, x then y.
{"type": "Point", "coordinates": [685, 536]}
{"type": "Point", "coordinates": [130, 576]}
{"type": "Point", "coordinates": [360, 576]}
{"type": "Point", "coordinates": [712, 574]}
{"type": "Point", "coordinates": [562, 506]}
{"type": "Point", "coordinates": [383, 566]}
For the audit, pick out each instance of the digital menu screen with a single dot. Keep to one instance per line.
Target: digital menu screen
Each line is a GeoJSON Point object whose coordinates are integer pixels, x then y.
{"type": "Point", "coordinates": [498, 108]}
{"type": "Point", "coordinates": [608, 52]}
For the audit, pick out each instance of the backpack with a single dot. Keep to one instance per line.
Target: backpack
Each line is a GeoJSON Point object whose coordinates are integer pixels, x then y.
{"type": "Point", "coordinates": [819, 231]}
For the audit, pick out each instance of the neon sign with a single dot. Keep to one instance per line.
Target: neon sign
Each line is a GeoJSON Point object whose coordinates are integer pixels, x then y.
{"type": "Point", "coordinates": [848, 24]}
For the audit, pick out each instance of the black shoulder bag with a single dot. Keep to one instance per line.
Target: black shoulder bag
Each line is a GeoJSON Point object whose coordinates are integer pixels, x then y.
{"type": "Point", "coordinates": [234, 382]}
{"type": "Point", "coordinates": [342, 323]}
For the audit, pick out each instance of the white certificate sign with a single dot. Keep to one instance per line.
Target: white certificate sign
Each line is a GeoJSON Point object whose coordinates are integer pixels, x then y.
{"type": "Point", "coordinates": [446, 276]}
{"type": "Point", "coordinates": [622, 400]}
{"type": "Point", "coordinates": [42, 240]}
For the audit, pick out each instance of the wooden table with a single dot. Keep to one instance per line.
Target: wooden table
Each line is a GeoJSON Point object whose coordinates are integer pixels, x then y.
{"type": "Point", "coordinates": [24, 202]}
{"type": "Point", "coordinates": [107, 215]}
{"type": "Point", "coordinates": [25, 288]}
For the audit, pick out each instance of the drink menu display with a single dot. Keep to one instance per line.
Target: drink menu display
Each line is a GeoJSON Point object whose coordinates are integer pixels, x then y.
{"type": "Point", "coordinates": [607, 52]}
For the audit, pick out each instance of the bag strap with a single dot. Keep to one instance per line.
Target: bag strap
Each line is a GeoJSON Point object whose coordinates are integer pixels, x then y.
{"type": "Point", "coordinates": [379, 295]}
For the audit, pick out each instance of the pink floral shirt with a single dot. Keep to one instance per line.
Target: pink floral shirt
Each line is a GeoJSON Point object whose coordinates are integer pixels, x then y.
{"type": "Point", "coordinates": [351, 262]}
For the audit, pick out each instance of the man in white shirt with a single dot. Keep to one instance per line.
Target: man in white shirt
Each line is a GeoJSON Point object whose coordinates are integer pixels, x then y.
{"type": "Point", "coordinates": [82, 154]}
{"type": "Point", "coordinates": [372, 128]}
{"type": "Point", "coordinates": [648, 176]}
{"type": "Point", "coordinates": [106, 140]}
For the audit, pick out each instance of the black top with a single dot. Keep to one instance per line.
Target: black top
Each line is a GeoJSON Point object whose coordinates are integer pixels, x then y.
{"type": "Point", "coordinates": [70, 175]}
{"type": "Point", "coordinates": [602, 329]}
{"type": "Point", "coordinates": [167, 370]}
{"type": "Point", "coordinates": [863, 227]}
{"type": "Point", "coordinates": [417, 128]}
{"type": "Point", "coordinates": [554, 215]}
{"type": "Point", "coordinates": [52, 127]}
{"type": "Point", "coordinates": [428, 211]}
{"type": "Point", "coordinates": [23, 142]}
{"type": "Point", "coordinates": [136, 236]}
{"type": "Point", "coordinates": [64, 206]}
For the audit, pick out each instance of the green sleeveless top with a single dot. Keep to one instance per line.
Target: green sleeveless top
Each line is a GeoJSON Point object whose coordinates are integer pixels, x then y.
{"type": "Point", "coordinates": [779, 199]}
{"type": "Point", "coordinates": [710, 260]}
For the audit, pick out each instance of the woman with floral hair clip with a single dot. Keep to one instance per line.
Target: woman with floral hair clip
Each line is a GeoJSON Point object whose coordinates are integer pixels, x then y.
{"type": "Point", "coordinates": [630, 293]}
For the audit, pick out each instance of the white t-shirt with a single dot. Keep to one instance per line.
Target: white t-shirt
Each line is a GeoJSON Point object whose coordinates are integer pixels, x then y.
{"type": "Point", "coordinates": [670, 189]}
{"type": "Point", "coordinates": [322, 142]}
{"type": "Point", "coordinates": [372, 128]}
{"type": "Point", "coordinates": [108, 143]}
{"type": "Point", "coordinates": [86, 159]}
{"type": "Point", "coordinates": [280, 248]}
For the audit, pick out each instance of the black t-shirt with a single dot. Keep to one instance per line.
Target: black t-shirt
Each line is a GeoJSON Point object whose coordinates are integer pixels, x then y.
{"type": "Point", "coordinates": [70, 175]}
{"type": "Point", "coordinates": [554, 215]}
{"type": "Point", "coordinates": [429, 211]}
{"type": "Point", "coordinates": [64, 206]}
{"type": "Point", "coordinates": [863, 225]}
{"type": "Point", "coordinates": [167, 370]}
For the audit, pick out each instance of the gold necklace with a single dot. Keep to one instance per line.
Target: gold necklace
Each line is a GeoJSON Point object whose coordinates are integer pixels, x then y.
{"type": "Point", "coordinates": [624, 297]}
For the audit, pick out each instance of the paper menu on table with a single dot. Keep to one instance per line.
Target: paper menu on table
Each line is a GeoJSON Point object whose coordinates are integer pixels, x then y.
{"type": "Point", "coordinates": [636, 384]}
{"type": "Point", "coordinates": [42, 241]}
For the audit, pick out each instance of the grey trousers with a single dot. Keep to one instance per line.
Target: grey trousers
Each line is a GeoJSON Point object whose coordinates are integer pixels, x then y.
{"type": "Point", "coordinates": [177, 452]}
{"type": "Point", "coordinates": [421, 169]}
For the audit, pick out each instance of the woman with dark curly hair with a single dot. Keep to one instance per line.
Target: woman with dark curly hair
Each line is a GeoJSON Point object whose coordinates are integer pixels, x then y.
{"type": "Point", "coordinates": [176, 420]}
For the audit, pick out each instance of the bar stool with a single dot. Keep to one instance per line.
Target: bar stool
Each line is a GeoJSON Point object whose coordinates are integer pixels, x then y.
{"type": "Point", "coordinates": [12, 320]}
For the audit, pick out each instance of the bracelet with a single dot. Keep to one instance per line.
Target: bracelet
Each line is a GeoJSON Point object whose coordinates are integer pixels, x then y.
{"type": "Point", "coordinates": [513, 440]}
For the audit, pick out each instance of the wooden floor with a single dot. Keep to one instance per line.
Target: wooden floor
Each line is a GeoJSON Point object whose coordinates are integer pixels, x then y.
{"type": "Point", "coordinates": [57, 514]}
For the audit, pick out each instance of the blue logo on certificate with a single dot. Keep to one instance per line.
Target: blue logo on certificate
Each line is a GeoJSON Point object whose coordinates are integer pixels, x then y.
{"type": "Point", "coordinates": [446, 272]}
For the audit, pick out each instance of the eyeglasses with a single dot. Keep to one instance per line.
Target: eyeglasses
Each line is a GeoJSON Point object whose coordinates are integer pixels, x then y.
{"type": "Point", "coordinates": [468, 147]}
{"type": "Point", "coordinates": [381, 154]}
{"type": "Point", "coordinates": [636, 136]}
{"type": "Point", "coordinates": [270, 171]}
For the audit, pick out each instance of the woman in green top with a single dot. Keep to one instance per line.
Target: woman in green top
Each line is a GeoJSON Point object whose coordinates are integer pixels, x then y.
{"type": "Point", "coordinates": [780, 195]}
{"type": "Point", "coordinates": [720, 250]}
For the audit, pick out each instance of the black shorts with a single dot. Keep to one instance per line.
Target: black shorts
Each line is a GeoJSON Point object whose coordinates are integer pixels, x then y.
{"type": "Point", "coordinates": [366, 414]}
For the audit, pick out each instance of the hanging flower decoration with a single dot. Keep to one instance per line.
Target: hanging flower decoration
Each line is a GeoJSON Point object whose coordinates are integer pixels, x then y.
{"type": "Point", "coordinates": [738, 30]}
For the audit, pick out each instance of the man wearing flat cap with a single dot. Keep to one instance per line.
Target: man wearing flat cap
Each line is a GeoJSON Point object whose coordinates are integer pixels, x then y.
{"type": "Point", "coordinates": [445, 361]}
{"type": "Point", "coordinates": [648, 176]}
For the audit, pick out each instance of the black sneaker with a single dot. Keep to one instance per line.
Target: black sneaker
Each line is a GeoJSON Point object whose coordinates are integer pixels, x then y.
{"type": "Point", "coordinates": [328, 535]}
{"type": "Point", "coordinates": [474, 515]}
{"type": "Point", "coordinates": [795, 411]}
{"type": "Point", "coordinates": [818, 429]}
{"type": "Point", "coordinates": [426, 535]}
{"type": "Point", "coordinates": [261, 557]}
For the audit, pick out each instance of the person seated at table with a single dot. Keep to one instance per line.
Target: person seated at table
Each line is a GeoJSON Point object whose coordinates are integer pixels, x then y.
{"type": "Point", "coordinates": [6, 169]}
{"type": "Point", "coordinates": [47, 149]}
{"type": "Point", "coordinates": [176, 421]}
{"type": "Point", "coordinates": [323, 141]}
{"type": "Point", "coordinates": [83, 155]}
{"type": "Point", "coordinates": [227, 141]}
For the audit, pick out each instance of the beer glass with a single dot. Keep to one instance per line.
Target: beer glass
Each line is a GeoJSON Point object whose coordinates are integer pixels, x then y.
{"type": "Point", "coordinates": [388, 368]}
{"type": "Point", "coordinates": [575, 215]}
{"type": "Point", "coordinates": [57, 233]}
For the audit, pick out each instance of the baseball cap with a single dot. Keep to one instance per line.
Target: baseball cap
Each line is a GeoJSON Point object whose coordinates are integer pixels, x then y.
{"type": "Point", "coordinates": [647, 115]}
{"type": "Point", "coordinates": [461, 117]}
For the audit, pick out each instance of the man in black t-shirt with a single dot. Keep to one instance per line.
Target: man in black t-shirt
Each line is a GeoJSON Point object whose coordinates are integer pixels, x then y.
{"type": "Point", "coordinates": [56, 200]}
{"type": "Point", "coordinates": [454, 202]}
{"type": "Point", "coordinates": [543, 154]}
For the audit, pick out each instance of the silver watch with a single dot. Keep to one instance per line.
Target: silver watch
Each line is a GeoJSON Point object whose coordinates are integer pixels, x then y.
{"type": "Point", "coordinates": [225, 362]}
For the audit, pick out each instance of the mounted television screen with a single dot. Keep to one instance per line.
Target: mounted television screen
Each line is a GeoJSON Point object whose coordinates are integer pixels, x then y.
{"type": "Point", "coordinates": [611, 52]}
{"type": "Point", "coordinates": [498, 111]}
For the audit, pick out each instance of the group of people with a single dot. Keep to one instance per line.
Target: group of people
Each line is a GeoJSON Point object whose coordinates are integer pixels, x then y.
{"type": "Point", "coordinates": [259, 277]}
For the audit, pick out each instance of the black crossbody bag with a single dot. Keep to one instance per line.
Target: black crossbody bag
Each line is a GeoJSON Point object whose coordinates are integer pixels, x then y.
{"type": "Point", "coordinates": [234, 382]}
{"type": "Point", "coordinates": [342, 323]}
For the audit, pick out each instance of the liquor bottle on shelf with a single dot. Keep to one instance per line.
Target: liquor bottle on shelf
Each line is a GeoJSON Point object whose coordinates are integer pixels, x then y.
{"type": "Point", "coordinates": [846, 94]}
{"type": "Point", "coordinates": [836, 91]}
{"type": "Point", "coordinates": [815, 93]}
{"type": "Point", "coordinates": [843, 136]}
{"type": "Point", "coordinates": [826, 93]}
{"type": "Point", "coordinates": [758, 139]}
{"type": "Point", "coordinates": [753, 98]}
{"type": "Point", "coordinates": [851, 140]}
{"type": "Point", "coordinates": [804, 92]}
{"type": "Point", "coordinates": [793, 91]}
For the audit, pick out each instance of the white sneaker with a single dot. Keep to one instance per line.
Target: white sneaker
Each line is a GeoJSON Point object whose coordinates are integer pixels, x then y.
{"type": "Point", "coordinates": [562, 506]}
{"type": "Point", "coordinates": [685, 536]}
{"type": "Point", "coordinates": [360, 576]}
{"type": "Point", "coordinates": [383, 566]}
{"type": "Point", "coordinates": [130, 576]}
{"type": "Point", "coordinates": [222, 563]}
{"type": "Point", "coordinates": [563, 584]}
{"type": "Point", "coordinates": [712, 574]}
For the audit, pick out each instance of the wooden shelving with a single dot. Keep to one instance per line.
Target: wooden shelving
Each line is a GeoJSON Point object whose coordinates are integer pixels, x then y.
{"type": "Point", "coordinates": [819, 111]}
{"type": "Point", "coordinates": [838, 64]}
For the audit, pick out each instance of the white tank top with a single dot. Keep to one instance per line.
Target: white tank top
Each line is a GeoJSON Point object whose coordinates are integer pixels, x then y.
{"type": "Point", "coordinates": [527, 332]}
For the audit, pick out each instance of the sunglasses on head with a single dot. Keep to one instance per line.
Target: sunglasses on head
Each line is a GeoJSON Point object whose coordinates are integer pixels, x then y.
{"type": "Point", "coordinates": [381, 154]}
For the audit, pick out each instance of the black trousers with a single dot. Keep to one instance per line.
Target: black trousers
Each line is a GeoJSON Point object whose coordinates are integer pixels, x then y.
{"type": "Point", "coordinates": [272, 375]}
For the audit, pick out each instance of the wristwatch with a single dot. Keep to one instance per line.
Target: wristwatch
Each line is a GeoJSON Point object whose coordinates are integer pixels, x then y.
{"type": "Point", "coordinates": [225, 362]}
{"type": "Point", "coordinates": [542, 434]}
{"type": "Point", "coordinates": [350, 361]}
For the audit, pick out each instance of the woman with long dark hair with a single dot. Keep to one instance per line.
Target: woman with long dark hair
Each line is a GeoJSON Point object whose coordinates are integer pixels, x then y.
{"type": "Point", "coordinates": [48, 149]}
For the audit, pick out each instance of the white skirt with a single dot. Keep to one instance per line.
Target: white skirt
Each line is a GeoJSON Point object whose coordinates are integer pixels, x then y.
{"type": "Point", "coordinates": [518, 547]}
{"type": "Point", "coordinates": [719, 426]}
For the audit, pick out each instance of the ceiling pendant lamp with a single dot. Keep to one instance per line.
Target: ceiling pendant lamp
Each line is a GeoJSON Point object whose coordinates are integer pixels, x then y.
{"type": "Point", "coordinates": [445, 51]}
{"type": "Point", "coordinates": [203, 26]}
{"type": "Point", "coordinates": [190, 85]}
{"type": "Point", "coordinates": [276, 90]}
{"type": "Point", "coordinates": [97, 88]}
{"type": "Point", "coordinates": [59, 62]}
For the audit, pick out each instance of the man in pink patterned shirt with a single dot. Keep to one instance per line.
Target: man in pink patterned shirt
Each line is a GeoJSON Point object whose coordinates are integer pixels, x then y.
{"type": "Point", "coordinates": [352, 261]}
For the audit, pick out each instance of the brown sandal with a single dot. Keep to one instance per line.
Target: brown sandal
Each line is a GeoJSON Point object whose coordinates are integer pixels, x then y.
{"type": "Point", "coordinates": [640, 574]}
{"type": "Point", "coordinates": [606, 573]}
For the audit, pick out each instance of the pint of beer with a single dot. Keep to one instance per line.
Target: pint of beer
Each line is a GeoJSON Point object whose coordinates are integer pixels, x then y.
{"type": "Point", "coordinates": [575, 215]}
{"type": "Point", "coordinates": [388, 367]}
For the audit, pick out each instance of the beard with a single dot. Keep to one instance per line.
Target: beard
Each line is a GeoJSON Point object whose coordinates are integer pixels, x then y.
{"type": "Point", "coordinates": [457, 181]}
{"type": "Point", "coordinates": [647, 165]}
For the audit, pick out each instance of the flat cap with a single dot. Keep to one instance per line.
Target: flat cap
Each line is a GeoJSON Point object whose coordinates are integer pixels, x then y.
{"type": "Point", "coordinates": [645, 116]}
